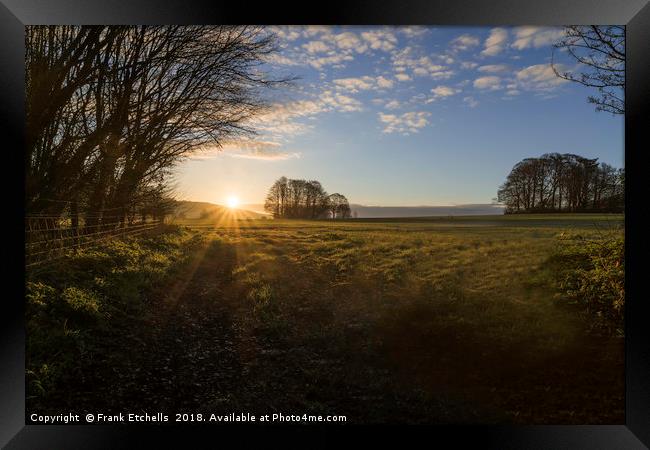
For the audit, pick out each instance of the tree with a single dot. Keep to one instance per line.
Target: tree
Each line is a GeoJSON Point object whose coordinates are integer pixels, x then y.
{"type": "Point", "coordinates": [275, 199]}
{"type": "Point", "coordinates": [339, 206]}
{"type": "Point", "coordinates": [600, 52]}
{"type": "Point", "coordinates": [316, 199]}
{"type": "Point", "coordinates": [111, 109]}
{"type": "Point", "coordinates": [562, 182]}
{"type": "Point", "coordinates": [301, 199]}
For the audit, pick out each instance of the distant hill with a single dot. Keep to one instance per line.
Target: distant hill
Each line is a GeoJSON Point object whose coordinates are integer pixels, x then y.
{"type": "Point", "coordinates": [255, 207]}
{"type": "Point", "coordinates": [368, 212]}
{"type": "Point", "coordinates": [199, 210]}
{"type": "Point", "coordinates": [363, 211]}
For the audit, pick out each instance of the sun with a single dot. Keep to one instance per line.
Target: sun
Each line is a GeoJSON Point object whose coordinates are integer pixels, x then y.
{"type": "Point", "coordinates": [232, 202]}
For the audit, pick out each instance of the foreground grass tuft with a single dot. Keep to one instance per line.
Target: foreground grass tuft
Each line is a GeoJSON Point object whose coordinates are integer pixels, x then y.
{"type": "Point", "coordinates": [71, 305]}
{"type": "Point", "coordinates": [590, 274]}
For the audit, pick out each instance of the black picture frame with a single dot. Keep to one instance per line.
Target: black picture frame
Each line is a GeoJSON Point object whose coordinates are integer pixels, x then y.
{"type": "Point", "coordinates": [635, 14]}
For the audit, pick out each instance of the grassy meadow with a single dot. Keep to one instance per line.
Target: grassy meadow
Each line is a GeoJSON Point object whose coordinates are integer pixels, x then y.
{"type": "Point", "coordinates": [423, 320]}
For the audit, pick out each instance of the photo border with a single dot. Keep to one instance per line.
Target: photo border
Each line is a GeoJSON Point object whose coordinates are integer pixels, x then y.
{"type": "Point", "coordinates": [635, 14]}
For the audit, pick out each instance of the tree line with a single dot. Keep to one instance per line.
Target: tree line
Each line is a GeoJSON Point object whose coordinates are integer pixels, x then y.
{"type": "Point", "coordinates": [563, 182]}
{"type": "Point", "coordinates": [111, 109]}
{"type": "Point", "coordinates": [301, 199]}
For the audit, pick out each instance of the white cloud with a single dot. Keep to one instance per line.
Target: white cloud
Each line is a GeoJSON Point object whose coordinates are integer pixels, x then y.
{"type": "Point", "coordinates": [442, 75]}
{"type": "Point", "coordinates": [540, 78]}
{"type": "Point", "coordinates": [496, 42]}
{"type": "Point", "coordinates": [493, 68]}
{"type": "Point", "coordinates": [364, 83]}
{"type": "Point", "coordinates": [380, 39]}
{"type": "Point", "coordinates": [446, 59]}
{"type": "Point", "coordinates": [384, 83]}
{"type": "Point", "coordinates": [439, 92]}
{"type": "Point", "coordinates": [491, 83]}
{"type": "Point", "coordinates": [350, 41]}
{"type": "Point", "coordinates": [249, 149]}
{"type": "Point", "coordinates": [355, 84]}
{"type": "Point", "coordinates": [316, 47]}
{"type": "Point", "coordinates": [402, 77]}
{"type": "Point", "coordinates": [536, 37]}
{"type": "Point", "coordinates": [280, 156]}
{"type": "Point", "coordinates": [283, 121]}
{"type": "Point", "coordinates": [286, 33]}
{"type": "Point", "coordinates": [468, 65]}
{"type": "Point", "coordinates": [410, 122]}
{"type": "Point", "coordinates": [277, 58]}
{"type": "Point", "coordinates": [280, 120]}
{"type": "Point", "coordinates": [413, 31]}
{"type": "Point", "coordinates": [324, 46]}
{"type": "Point", "coordinates": [405, 59]}
{"type": "Point", "coordinates": [292, 35]}
{"type": "Point", "coordinates": [471, 101]}
{"type": "Point", "coordinates": [336, 59]}
{"type": "Point", "coordinates": [314, 53]}
{"type": "Point", "coordinates": [339, 102]}
{"type": "Point", "coordinates": [427, 66]}
{"type": "Point", "coordinates": [313, 30]}
{"type": "Point", "coordinates": [418, 98]}
{"type": "Point", "coordinates": [393, 104]}
{"type": "Point", "coordinates": [444, 91]}
{"type": "Point", "coordinates": [464, 42]}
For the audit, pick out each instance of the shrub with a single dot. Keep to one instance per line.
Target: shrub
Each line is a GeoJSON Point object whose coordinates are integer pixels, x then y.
{"type": "Point", "coordinates": [80, 302]}
{"type": "Point", "coordinates": [591, 273]}
{"type": "Point", "coordinates": [39, 296]}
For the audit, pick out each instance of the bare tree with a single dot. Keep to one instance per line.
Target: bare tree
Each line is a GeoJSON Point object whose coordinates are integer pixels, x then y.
{"type": "Point", "coordinates": [277, 198]}
{"type": "Point", "coordinates": [339, 206]}
{"type": "Point", "coordinates": [301, 199]}
{"type": "Point", "coordinates": [562, 182]}
{"type": "Point", "coordinates": [110, 110]}
{"type": "Point", "coordinates": [600, 52]}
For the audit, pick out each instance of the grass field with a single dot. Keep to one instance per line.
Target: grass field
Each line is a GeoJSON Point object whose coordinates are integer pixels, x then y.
{"type": "Point", "coordinates": [432, 320]}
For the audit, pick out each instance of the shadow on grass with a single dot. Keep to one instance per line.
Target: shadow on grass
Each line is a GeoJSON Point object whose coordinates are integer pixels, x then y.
{"type": "Point", "coordinates": [505, 360]}
{"type": "Point", "coordinates": [243, 327]}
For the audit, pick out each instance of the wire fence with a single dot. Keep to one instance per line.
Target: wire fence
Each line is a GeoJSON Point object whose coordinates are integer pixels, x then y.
{"type": "Point", "coordinates": [48, 238]}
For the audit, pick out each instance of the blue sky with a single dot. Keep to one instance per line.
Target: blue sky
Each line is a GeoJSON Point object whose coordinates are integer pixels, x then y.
{"type": "Point", "coordinates": [407, 116]}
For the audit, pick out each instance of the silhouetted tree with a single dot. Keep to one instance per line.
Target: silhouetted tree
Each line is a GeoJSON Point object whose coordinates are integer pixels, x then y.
{"type": "Point", "coordinates": [111, 109]}
{"type": "Point", "coordinates": [276, 199]}
{"type": "Point", "coordinates": [300, 199]}
{"type": "Point", "coordinates": [562, 182]}
{"type": "Point", "coordinates": [339, 206]}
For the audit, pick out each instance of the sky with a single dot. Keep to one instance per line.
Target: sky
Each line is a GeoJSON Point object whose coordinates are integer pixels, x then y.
{"type": "Point", "coordinates": [407, 116]}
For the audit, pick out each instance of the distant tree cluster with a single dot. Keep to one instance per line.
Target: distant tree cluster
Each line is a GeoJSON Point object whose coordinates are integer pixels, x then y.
{"type": "Point", "coordinates": [300, 199]}
{"type": "Point", "coordinates": [563, 182]}
{"type": "Point", "coordinates": [110, 109]}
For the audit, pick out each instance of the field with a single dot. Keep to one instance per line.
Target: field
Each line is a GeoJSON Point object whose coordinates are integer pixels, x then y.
{"type": "Point", "coordinates": [424, 320]}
